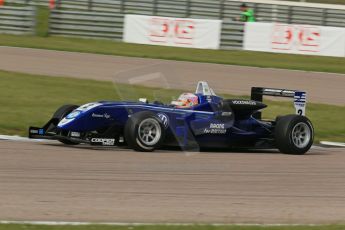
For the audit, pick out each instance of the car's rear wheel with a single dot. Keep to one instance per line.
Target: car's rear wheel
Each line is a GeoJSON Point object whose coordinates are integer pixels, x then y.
{"type": "Point", "coordinates": [294, 134]}
{"type": "Point", "coordinates": [62, 112]}
{"type": "Point", "coordinates": [144, 132]}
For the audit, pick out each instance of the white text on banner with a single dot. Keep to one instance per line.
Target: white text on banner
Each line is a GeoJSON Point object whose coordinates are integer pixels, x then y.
{"type": "Point", "coordinates": [296, 39]}
{"type": "Point", "coordinates": [180, 32]}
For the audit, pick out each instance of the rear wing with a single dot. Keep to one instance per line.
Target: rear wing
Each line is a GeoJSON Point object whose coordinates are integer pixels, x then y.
{"type": "Point", "coordinates": [300, 98]}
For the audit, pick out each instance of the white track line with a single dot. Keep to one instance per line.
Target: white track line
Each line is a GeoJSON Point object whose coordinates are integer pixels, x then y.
{"type": "Point", "coordinates": [26, 139]}
{"type": "Point", "coordinates": [332, 144]}
{"type": "Point", "coordinates": [72, 223]}
{"type": "Point", "coordinates": [19, 138]}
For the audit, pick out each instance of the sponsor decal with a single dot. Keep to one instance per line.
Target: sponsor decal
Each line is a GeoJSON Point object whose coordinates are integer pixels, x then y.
{"type": "Point", "coordinates": [226, 114]}
{"type": "Point", "coordinates": [41, 131]}
{"type": "Point", "coordinates": [300, 100]}
{"type": "Point", "coordinates": [215, 131]}
{"type": "Point", "coordinates": [88, 106]}
{"type": "Point", "coordinates": [105, 115]}
{"type": "Point", "coordinates": [73, 115]}
{"type": "Point", "coordinates": [64, 122]}
{"type": "Point", "coordinates": [215, 128]}
{"type": "Point", "coordinates": [169, 31]}
{"type": "Point", "coordinates": [75, 134]}
{"type": "Point", "coordinates": [103, 141]}
{"type": "Point", "coordinates": [34, 131]}
{"type": "Point", "coordinates": [164, 118]}
{"type": "Point", "coordinates": [300, 97]}
{"type": "Point", "coordinates": [70, 117]}
{"type": "Point", "coordinates": [296, 38]}
{"type": "Point", "coordinates": [240, 102]}
{"type": "Point", "coordinates": [172, 30]}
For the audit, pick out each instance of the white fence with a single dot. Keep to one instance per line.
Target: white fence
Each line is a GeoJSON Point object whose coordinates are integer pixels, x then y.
{"type": "Point", "coordinates": [17, 20]}
{"type": "Point", "coordinates": [105, 18]}
{"type": "Point", "coordinates": [110, 26]}
{"type": "Point", "coordinates": [86, 24]}
{"type": "Point", "coordinates": [265, 10]}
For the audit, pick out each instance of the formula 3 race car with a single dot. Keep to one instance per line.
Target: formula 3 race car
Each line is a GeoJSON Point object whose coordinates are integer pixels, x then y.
{"type": "Point", "coordinates": [203, 121]}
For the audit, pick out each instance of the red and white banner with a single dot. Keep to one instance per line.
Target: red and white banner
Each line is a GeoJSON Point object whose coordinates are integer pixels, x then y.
{"type": "Point", "coordinates": [180, 32]}
{"type": "Point", "coordinates": [297, 39]}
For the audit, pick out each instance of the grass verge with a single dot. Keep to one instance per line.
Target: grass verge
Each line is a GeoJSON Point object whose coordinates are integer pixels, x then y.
{"type": "Point", "coordinates": [165, 227]}
{"type": "Point", "coordinates": [30, 100]}
{"type": "Point", "coordinates": [231, 57]}
{"type": "Point", "coordinates": [42, 18]}
{"type": "Point", "coordinates": [341, 2]}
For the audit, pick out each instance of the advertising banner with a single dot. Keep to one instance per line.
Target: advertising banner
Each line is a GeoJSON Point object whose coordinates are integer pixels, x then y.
{"type": "Point", "coordinates": [296, 39]}
{"type": "Point", "coordinates": [179, 32]}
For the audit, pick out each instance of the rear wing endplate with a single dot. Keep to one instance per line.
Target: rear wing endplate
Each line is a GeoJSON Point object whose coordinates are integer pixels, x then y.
{"type": "Point", "coordinates": [300, 97]}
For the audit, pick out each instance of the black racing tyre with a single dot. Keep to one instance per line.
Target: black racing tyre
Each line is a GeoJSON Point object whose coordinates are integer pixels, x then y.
{"type": "Point", "coordinates": [294, 134]}
{"type": "Point", "coordinates": [62, 112]}
{"type": "Point", "coordinates": [144, 131]}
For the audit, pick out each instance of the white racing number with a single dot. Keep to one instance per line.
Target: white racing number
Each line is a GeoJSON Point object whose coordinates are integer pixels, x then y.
{"type": "Point", "coordinates": [300, 101]}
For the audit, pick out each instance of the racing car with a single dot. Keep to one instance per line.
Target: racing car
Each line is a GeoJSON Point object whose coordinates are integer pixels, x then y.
{"type": "Point", "coordinates": [200, 120]}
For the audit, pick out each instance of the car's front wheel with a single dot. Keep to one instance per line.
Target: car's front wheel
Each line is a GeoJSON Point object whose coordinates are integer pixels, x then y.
{"type": "Point", "coordinates": [144, 131]}
{"type": "Point", "coordinates": [62, 112]}
{"type": "Point", "coordinates": [294, 134]}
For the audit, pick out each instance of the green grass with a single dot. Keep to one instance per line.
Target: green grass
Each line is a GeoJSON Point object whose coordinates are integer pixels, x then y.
{"type": "Point", "coordinates": [231, 57]}
{"type": "Point", "coordinates": [29, 100]}
{"type": "Point", "coordinates": [341, 2]}
{"type": "Point", "coordinates": [42, 18]}
{"type": "Point", "coordinates": [165, 227]}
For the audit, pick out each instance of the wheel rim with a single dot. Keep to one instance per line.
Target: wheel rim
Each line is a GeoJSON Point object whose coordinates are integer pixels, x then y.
{"type": "Point", "coordinates": [301, 135]}
{"type": "Point", "coordinates": [149, 131]}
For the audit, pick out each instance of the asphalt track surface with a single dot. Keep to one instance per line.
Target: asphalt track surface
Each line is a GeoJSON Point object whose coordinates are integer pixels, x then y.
{"type": "Point", "coordinates": [52, 182]}
{"type": "Point", "coordinates": [321, 87]}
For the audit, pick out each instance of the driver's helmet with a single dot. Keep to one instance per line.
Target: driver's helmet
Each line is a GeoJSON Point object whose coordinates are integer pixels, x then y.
{"type": "Point", "coordinates": [186, 100]}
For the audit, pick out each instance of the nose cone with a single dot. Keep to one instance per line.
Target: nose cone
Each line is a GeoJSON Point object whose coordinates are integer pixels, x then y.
{"type": "Point", "coordinates": [76, 114]}
{"type": "Point", "coordinates": [69, 118]}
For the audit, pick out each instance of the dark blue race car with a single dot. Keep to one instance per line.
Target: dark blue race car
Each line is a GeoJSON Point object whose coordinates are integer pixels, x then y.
{"type": "Point", "coordinates": [201, 120]}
